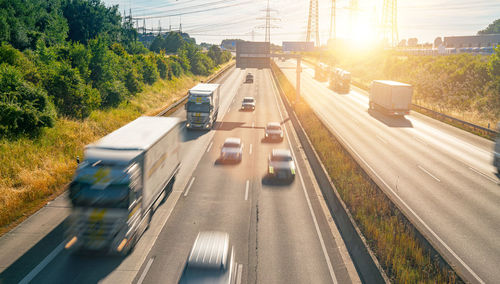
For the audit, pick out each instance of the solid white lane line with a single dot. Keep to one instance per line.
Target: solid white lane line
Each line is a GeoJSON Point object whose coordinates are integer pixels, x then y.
{"type": "Point", "coordinates": [239, 274]}
{"type": "Point", "coordinates": [33, 273]}
{"type": "Point", "coordinates": [363, 161]}
{"type": "Point", "coordinates": [189, 186]}
{"type": "Point", "coordinates": [250, 149]}
{"type": "Point", "coordinates": [210, 146]}
{"type": "Point", "coordinates": [253, 124]}
{"type": "Point", "coordinates": [246, 190]}
{"type": "Point", "coordinates": [483, 175]}
{"type": "Point", "coordinates": [427, 172]}
{"type": "Point", "coordinates": [318, 232]}
{"type": "Point", "coordinates": [381, 139]}
{"type": "Point", "coordinates": [146, 269]}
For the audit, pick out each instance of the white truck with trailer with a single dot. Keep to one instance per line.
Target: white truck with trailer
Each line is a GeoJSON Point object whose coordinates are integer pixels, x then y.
{"type": "Point", "coordinates": [202, 106]}
{"type": "Point", "coordinates": [391, 97]}
{"type": "Point", "coordinates": [115, 188]}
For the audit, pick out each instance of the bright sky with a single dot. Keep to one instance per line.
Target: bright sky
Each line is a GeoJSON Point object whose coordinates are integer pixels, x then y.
{"type": "Point", "coordinates": [424, 19]}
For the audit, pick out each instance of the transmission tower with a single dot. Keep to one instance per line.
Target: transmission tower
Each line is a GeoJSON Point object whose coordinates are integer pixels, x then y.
{"type": "Point", "coordinates": [389, 23]}
{"type": "Point", "coordinates": [333, 27]}
{"type": "Point", "coordinates": [313, 21]}
{"type": "Point", "coordinates": [268, 26]}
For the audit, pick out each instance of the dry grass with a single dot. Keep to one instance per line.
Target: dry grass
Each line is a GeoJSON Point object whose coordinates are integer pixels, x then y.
{"type": "Point", "coordinates": [33, 171]}
{"type": "Point", "coordinates": [389, 234]}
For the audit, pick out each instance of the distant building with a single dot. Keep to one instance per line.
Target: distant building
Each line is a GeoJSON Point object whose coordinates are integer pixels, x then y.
{"type": "Point", "coordinates": [472, 41]}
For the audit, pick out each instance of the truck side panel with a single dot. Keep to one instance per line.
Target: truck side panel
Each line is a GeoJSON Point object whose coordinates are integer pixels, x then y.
{"type": "Point", "coordinates": [160, 163]}
{"type": "Point", "coordinates": [401, 97]}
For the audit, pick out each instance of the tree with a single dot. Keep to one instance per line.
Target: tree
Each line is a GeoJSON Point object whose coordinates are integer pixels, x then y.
{"type": "Point", "coordinates": [493, 28]}
{"type": "Point", "coordinates": [215, 53]}
{"type": "Point", "coordinates": [412, 42]}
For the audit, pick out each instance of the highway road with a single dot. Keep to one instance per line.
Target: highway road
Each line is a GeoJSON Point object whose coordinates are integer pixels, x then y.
{"type": "Point", "coordinates": [441, 176]}
{"type": "Point", "coordinates": [280, 233]}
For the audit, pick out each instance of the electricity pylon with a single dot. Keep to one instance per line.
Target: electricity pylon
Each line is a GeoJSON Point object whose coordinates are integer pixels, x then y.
{"type": "Point", "coordinates": [333, 27]}
{"type": "Point", "coordinates": [268, 26]}
{"type": "Point", "coordinates": [313, 22]}
{"type": "Point", "coordinates": [389, 25]}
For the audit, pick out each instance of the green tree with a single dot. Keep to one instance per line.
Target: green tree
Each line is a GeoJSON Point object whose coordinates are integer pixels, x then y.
{"type": "Point", "coordinates": [493, 28]}
{"type": "Point", "coordinates": [215, 53]}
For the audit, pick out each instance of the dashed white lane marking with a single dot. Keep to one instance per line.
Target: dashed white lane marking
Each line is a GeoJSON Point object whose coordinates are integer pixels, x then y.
{"type": "Point", "coordinates": [210, 146]}
{"type": "Point", "coordinates": [239, 274]}
{"type": "Point", "coordinates": [253, 124]}
{"type": "Point", "coordinates": [483, 175]}
{"type": "Point", "coordinates": [146, 269]}
{"type": "Point", "coordinates": [189, 186]}
{"type": "Point", "coordinates": [250, 149]}
{"type": "Point", "coordinates": [381, 139]}
{"type": "Point", "coordinates": [246, 189]}
{"type": "Point", "coordinates": [427, 172]}
{"type": "Point", "coordinates": [28, 278]}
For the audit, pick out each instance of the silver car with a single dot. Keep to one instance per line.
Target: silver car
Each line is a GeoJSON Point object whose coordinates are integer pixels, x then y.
{"type": "Point", "coordinates": [281, 165]}
{"type": "Point", "coordinates": [211, 260]}
{"type": "Point", "coordinates": [248, 103]}
{"type": "Point", "coordinates": [274, 131]}
{"type": "Point", "coordinates": [232, 150]}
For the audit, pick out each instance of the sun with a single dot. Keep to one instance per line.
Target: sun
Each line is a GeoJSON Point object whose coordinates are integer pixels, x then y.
{"type": "Point", "coordinates": [363, 31]}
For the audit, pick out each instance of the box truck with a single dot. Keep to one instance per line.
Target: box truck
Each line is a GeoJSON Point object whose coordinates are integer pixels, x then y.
{"type": "Point", "coordinates": [390, 97]}
{"type": "Point", "coordinates": [116, 186]}
{"type": "Point", "coordinates": [202, 106]}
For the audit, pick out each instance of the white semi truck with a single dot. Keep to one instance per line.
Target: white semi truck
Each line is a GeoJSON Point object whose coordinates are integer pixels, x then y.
{"type": "Point", "coordinates": [390, 97]}
{"type": "Point", "coordinates": [116, 186]}
{"type": "Point", "coordinates": [202, 106]}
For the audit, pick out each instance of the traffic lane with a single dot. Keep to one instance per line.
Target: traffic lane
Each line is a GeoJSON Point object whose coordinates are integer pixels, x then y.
{"type": "Point", "coordinates": [115, 268]}
{"type": "Point", "coordinates": [289, 249]}
{"type": "Point", "coordinates": [424, 195]}
{"type": "Point", "coordinates": [214, 200]}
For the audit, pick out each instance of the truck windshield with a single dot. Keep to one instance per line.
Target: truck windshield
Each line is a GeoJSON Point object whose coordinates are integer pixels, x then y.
{"type": "Point", "coordinates": [194, 107]}
{"type": "Point", "coordinates": [113, 196]}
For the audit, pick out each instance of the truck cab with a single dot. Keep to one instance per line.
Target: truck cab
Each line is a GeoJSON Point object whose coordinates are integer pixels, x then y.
{"type": "Point", "coordinates": [202, 106]}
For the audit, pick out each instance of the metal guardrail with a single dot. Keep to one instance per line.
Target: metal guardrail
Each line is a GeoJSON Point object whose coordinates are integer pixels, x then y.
{"type": "Point", "coordinates": [183, 99]}
{"type": "Point", "coordinates": [440, 116]}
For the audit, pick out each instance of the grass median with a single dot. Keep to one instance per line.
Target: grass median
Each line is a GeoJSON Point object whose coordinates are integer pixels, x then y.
{"type": "Point", "coordinates": [389, 234]}
{"type": "Point", "coordinates": [36, 170]}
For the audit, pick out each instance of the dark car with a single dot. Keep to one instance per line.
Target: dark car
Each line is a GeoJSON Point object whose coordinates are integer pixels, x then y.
{"type": "Point", "coordinates": [249, 78]}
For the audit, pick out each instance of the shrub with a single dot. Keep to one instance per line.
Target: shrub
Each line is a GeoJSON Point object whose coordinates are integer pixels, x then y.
{"type": "Point", "coordinates": [112, 93]}
{"type": "Point", "coordinates": [71, 95]}
{"type": "Point", "coordinates": [24, 108]}
{"type": "Point", "coordinates": [149, 71]}
{"type": "Point", "coordinates": [132, 81]}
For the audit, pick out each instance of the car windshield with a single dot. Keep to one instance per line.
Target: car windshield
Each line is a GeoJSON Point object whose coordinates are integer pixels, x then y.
{"type": "Point", "coordinates": [274, 127]}
{"type": "Point", "coordinates": [113, 196]}
{"type": "Point", "coordinates": [248, 100]}
{"type": "Point", "coordinates": [280, 158]}
{"type": "Point", "coordinates": [194, 107]}
{"type": "Point", "coordinates": [231, 145]}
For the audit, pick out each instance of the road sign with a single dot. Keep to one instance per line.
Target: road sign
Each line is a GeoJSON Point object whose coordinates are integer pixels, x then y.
{"type": "Point", "coordinates": [298, 46]}
{"type": "Point", "coordinates": [253, 54]}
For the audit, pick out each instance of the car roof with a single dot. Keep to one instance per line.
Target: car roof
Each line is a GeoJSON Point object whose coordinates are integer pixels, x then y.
{"type": "Point", "coordinates": [281, 152]}
{"type": "Point", "coordinates": [249, 98]}
{"type": "Point", "coordinates": [232, 140]}
{"type": "Point", "coordinates": [277, 124]}
{"type": "Point", "coordinates": [209, 250]}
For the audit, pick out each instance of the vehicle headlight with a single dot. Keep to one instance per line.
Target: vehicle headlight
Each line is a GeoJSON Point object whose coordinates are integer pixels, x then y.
{"type": "Point", "coordinates": [188, 124]}
{"type": "Point", "coordinates": [207, 125]}
{"type": "Point", "coordinates": [267, 134]}
{"type": "Point", "coordinates": [271, 170]}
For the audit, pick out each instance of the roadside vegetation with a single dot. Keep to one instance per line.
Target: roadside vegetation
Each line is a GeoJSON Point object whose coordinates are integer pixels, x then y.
{"type": "Point", "coordinates": [389, 234]}
{"type": "Point", "coordinates": [70, 72]}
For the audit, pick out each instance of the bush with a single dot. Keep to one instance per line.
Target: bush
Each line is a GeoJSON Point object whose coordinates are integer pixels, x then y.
{"type": "Point", "coordinates": [149, 71]}
{"type": "Point", "coordinates": [201, 64]}
{"type": "Point", "coordinates": [132, 81]}
{"type": "Point", "coordinates": [175, 67]}
{"type": "Point", "coordinates": [24, 108]}
{"type": "Point", "coordinates": [71, 95]}
{"type": "Point", "coordinates": [113, 93]}
{"type": "Point", "coordinates": [163, 67]}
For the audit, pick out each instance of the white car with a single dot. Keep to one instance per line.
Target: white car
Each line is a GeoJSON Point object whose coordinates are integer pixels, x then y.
{"type": "Point", "coordinates": [274, 131]}
{"type": "Point", "coordinates": [248, 103]}
{"type": "Point", "coordinates": [232, 150]}
{"type": "Point", "coordinates": [211, 260]}
{"type": "Point", "coordinates": [281, 165]}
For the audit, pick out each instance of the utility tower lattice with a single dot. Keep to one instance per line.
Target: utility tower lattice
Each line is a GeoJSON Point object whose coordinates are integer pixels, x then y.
{"type": "Point", "coordinates": [333, 26]}
{"type": "Point", "coordinates": [268, 20]}
{"type": "Point", "coordinates": [389, 23]}
{"type": "Point", "coordinates": [313, 21]}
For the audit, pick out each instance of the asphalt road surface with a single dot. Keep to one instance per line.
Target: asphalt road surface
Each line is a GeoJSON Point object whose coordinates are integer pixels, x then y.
{"type": "Point", "coordinates": [441, 176]}
{"type": "Point", "coordinates": [280, 233]}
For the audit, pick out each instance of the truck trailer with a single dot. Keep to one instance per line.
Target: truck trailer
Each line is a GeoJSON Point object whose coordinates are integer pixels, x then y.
{"type": "Point", "coordinates": [116, 186]}
{"type": "Point", "coordinates": [202, 106]}
{"type": "Point", "coordinates": [390, 97]}
{"type": "Point", "coordinates": [340, 81]}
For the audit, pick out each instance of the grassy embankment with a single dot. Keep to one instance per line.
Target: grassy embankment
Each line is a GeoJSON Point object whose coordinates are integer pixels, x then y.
{"type": "Point", "coordinates": [390, 236]}
{"type": "Point", "coordinates": [33, 171]}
